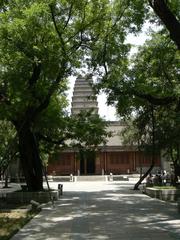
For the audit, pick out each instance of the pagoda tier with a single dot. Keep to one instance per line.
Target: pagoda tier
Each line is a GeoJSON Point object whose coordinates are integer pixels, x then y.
{"type": "Point", "coordinates": [83, 96]}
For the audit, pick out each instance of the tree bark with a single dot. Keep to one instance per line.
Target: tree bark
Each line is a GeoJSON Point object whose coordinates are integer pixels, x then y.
{"type": "Point", "coordinates": [30, 159]}
{"type": "Point", "coordinates": [168, 18]}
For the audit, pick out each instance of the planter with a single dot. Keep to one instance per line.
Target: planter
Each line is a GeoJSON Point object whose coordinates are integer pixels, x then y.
{"type": "Point", "coordinates": [163, 194]}
{"type": "Point", "coordinates": [178, 204]}
{"type": "Point", "coordinates": [26, 197]}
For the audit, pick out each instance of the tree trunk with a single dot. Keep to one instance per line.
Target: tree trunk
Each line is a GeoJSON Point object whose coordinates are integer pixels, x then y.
{"type": "Point", "coordinates": [30, 159]}
{"type": "Point", "coordinates": [168, 18]}
{"type": "Point", "coordinates": [6, 178]}
{"type": "Point", "coordinates": [136, 186]}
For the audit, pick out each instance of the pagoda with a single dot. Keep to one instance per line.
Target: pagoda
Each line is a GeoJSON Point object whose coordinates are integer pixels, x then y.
{"type": "Point", "coordinates": [114, 157]}
{"type": "Point", "coordinates": [83, 96]}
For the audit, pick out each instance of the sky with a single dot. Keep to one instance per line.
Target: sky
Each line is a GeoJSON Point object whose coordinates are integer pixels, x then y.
{"type": "Point", "coordinates": [109, 112]}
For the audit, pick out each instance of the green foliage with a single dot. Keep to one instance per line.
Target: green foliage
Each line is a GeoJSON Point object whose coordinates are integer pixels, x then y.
{"type": "Point", "coordinates": [42, 43]}
{"type": "Point", "coordinates": [151, 77]}
{"type": "Point", "coordinates": [89, 130]}
{"type": "Point", "coordinates": [174, 6]}
{"type": "Point", "coordinates": [154, 79]}
{"type": "Point", "coordinates": [51, 126]}
{"type": "Point", "coordinates": [84, 132]}
{"type": "Point", "coordinates": [155, 68]}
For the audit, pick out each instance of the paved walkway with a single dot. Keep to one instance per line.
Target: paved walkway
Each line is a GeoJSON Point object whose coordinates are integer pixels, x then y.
{"type": "Point", "coordinates": [100, 211]}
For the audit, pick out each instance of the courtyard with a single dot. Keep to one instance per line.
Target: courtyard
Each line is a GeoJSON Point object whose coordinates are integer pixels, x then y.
{"type": "Point", "coordinates": [103, 210]}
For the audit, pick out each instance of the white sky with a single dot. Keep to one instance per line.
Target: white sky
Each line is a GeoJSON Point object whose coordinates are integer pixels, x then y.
{"type": "Point", "coordinates": [109, 112]}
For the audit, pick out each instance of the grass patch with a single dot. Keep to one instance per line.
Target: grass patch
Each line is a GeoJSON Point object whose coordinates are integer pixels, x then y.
{"type": "Point", "coordinates": [12, 220]}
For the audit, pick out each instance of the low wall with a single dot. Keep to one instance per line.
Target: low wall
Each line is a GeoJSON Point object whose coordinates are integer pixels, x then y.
{"type": "Point", "coordinates": [163, 194]}
{"type": "Point", "coordinates": [69, 178]}
{"type": "Point", "coordinates": [26, 197]}
{"type": "Point", "coordinates": [117, 178]}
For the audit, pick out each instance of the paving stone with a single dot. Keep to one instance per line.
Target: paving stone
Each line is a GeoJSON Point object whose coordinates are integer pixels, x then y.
{"type": "Point", "coordinates": [103, 211]}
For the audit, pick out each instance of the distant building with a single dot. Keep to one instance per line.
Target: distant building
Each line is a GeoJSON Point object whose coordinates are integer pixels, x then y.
{"type": "Point", "coordinates": [114, 157]}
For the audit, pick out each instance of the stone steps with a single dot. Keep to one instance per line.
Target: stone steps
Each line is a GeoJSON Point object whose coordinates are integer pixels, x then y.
{"type": "Point", "coordinates": [91, 178]}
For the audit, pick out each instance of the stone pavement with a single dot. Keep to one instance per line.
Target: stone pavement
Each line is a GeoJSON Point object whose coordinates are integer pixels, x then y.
{"type": "Point", "coordinates": [103, 210]}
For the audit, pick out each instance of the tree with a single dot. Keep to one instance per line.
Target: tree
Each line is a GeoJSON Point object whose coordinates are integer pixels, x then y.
{"type": "Point", "coordinates": [88, 131]}
{"type": "Point", "coordinates": [51, 127]}
{"type": "Point", "coordinates": [42, 43]}
{"type": "Point", "coordinates": [25, 61]}
{"type": "Point", "coordinates": [110, 54]}
{"type": "Point", "coordinates": [131, 85]}
{"type": "Point", "coordinates": [167, 135]}
{"type": "Point", "coordinates": [150, 78]}
{"type": "Point", "coordinates": [159, 84]}
{"type": "Point", "coordinates": [142, 132]}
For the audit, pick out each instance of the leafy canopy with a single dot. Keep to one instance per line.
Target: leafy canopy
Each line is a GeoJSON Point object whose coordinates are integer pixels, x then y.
{"type": "Point", "coordinates": [88, 130]}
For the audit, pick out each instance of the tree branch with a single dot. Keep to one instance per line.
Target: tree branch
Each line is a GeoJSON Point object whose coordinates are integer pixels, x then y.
{"type": "Point", "coordinates": [57, 30]}
{"type": "Point", "coordinates": [44, 104]}
{"type": "Point", "coordinates": [50, 140]}
{"type": "Point", "coordinates": [69, 17]}
{"type": "Point", "coordinates": [158, 101]}
{"type": "Point", "coordinates": [155, 100]}
{"type": "Point", "coordinates": [120, 15]}
{"type": "Point", "coordinates": [167, 17]}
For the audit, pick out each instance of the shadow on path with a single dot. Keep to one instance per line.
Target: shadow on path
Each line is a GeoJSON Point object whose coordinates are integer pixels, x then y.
{"type": "Point", "coordinates": [104, 211]}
